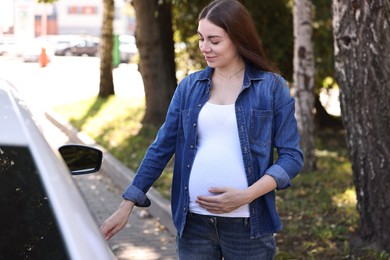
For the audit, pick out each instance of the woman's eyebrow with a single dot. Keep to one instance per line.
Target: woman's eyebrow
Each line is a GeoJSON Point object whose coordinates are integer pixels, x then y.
{"type": "Point", "coordinates": [210, 36]}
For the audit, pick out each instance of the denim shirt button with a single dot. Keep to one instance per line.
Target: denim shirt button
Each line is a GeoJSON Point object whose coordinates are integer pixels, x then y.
{"type": "Point", "coordinates": [185, 209]}
{"type": "Point", "coordinates": [192, 146]}
{"type": "Point", "coordinates": [199, 105]}
{"type": "Point", "coordinates": [188, 166]}
{"type": "Point", "coordinates": [194, 125]}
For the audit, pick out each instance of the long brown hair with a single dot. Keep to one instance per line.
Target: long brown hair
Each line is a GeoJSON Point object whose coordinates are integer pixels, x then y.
{"type": "Point", "coordinates": [235, 19]}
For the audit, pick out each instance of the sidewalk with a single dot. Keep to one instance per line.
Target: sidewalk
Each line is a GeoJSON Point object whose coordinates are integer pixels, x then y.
{"type": "Point", "coordinates": [144, 237]}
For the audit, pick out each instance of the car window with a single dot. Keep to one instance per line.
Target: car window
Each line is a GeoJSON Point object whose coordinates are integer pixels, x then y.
{"type": "Point", "coordinates": [28, 227]}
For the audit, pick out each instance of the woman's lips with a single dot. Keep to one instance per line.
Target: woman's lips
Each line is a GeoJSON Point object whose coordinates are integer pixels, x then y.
{"type": "Point", "coordinates": [210, 58]}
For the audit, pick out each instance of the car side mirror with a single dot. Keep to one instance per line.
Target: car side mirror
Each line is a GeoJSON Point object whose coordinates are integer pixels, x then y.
{"type": "Point", "coordinates": [81, 159]}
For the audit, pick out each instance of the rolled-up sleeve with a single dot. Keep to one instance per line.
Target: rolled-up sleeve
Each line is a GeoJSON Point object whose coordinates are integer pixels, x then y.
{"type": "Point", "coordinates": [280, 175]}
{"type": "Point", "coordinates": [135, 195]}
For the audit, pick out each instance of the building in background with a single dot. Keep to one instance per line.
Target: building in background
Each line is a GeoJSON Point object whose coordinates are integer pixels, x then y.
{"type": "Point", "coordinates": [79, 17]}
{"type": "Point", "coordinates": [6, 16]}
{"type": "Point", "coordinates": [85, 17]}
{"type": "Point", "coordinates": [63, 17]}
{"type": "Point", "coordinates": [27, 27]}
{"type": "Point", "coordinates": [45, 16]}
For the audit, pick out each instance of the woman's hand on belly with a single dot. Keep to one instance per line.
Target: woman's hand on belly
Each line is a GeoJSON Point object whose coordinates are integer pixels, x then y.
{"type": "Point", "coordinates": [224, 200]}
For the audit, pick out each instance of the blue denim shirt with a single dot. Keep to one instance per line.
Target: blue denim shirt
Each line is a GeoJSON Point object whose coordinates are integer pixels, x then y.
{"type": "Point", "coordinates": [265, 120]}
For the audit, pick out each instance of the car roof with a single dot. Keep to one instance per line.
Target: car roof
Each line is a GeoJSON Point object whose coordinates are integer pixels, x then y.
{"type": "Point", "coordinates": [18, 128]}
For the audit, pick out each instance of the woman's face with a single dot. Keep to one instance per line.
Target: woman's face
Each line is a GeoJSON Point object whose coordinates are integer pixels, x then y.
{"type": "Point", "coordinates": [215, 45]}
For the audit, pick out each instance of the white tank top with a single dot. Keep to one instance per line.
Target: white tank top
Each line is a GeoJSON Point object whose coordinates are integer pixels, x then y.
{"type": "Point", "coordinates": [218, 161]}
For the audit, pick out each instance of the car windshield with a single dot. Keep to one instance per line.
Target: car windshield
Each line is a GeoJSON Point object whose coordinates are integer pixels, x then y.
{"type": "Point", "coordinates": [29, 228]}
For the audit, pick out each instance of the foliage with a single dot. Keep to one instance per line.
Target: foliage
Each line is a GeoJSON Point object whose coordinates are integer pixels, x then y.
{"type": "Point", "coordinates": [273, 20]}
{"type": "Point", "coordinates": [318, 212]}
{"type": "Point", "coordinates": [323, 42]}
{"type": "Point", "coordinates": [47, 1]}
{"type": "Point", "coordinates": [185, 24]}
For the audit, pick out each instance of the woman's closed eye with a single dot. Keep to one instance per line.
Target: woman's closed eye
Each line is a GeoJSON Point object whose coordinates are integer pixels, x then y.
{"type": "Point", "coordinates": [201, 39]}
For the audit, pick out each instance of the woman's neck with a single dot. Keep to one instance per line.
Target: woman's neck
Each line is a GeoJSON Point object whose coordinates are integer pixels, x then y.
{"type": "Point", "coordinates": [231, 71]}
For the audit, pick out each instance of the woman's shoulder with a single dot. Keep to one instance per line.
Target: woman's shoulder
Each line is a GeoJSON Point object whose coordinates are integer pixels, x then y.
{"type": "Point", "coordinates": [256, 73]}
{"type": "Point", "coordinates": [202, 74]}
{"type": "Point", "coordinates": [196, 76]}
{"type": "Point", "coordinates": [277, 78]}
{"type": "Point", "coordinates": [269, 75]}
{"type": "Point", "coordinates": [268, 78]}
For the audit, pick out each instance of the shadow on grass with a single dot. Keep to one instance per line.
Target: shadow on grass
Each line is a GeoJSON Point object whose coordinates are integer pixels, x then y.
{"type": "Point", "coordinates": [133, 147]}
{"type": "Point", "coordinates": [92, 111]}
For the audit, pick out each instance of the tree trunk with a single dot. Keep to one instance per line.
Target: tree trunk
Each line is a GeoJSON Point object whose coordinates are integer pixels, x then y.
{"type": "Point", "coordinates": [362, 54]}
{"type": "Point", "coordinates": [106, 87]}
{"type": "Point", "coordinates": [304, 79]}
{"type": "Point", "coordinates": [154, 38]}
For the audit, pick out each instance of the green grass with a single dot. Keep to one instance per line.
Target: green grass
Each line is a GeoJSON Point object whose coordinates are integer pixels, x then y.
{"type": "Point", "coordinates": [319, 212]}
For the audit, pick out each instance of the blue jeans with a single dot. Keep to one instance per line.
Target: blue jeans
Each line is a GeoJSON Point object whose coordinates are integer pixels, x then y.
{"type": "Point", "coordinates": [212, 238]}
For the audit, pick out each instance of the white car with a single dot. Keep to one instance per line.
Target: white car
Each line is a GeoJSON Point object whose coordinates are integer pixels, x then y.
{"type": "Point", "coordinates": [127, 48]}
{"type": "Point", "coordinates": [42, 213]}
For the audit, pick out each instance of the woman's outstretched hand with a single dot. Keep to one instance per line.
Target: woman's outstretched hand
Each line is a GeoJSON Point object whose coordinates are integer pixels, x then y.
{"type": "Point", "coordinates": [117, 220]}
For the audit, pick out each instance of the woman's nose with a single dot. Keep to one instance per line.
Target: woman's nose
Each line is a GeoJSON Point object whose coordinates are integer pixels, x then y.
{"type": "Point", "coordinates": [204, 47]}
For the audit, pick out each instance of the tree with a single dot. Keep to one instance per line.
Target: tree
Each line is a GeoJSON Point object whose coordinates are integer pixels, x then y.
{"type": "Point", "coordinates": [362, 63]}
{"type": "Point", "coordinates": [154, 38]}
{"type": "Point", "coordinates": [106, 87]}
{"type": "Point", "coordinates": [304, 78]}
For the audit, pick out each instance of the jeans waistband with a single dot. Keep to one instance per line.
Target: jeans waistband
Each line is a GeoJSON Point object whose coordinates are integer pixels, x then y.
{"type": "Point", "coordinates": [218, 218]}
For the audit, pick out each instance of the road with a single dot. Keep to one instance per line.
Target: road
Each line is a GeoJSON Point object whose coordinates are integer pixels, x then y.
{"type": "Point", "coordinates": [66, 79]}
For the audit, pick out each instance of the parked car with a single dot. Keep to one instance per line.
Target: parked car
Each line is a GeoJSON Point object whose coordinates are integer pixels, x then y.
{"type": "Point", "coordinates": [7, 45]}
{"type": "Point", "coordinates": [82, 47]}
{"type": "Point", "coordinates": [43, 214]}
{"type": "Point", "coordinates": [62, 42]}
{"type": "Point", "coordinates": [127, 48]}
